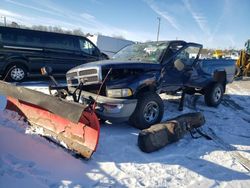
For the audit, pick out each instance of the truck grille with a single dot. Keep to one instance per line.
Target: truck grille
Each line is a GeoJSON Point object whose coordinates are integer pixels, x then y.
{"type": "Point", "coordinates": [87, 72]}
{"type": "Point", "coordinates": [86, 76]}
{"type": "Point", "coordinates": [72, 74]}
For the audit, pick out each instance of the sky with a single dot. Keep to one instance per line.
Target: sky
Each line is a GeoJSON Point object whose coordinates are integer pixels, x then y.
{"type": "Point", "coordinates": [217, 24]}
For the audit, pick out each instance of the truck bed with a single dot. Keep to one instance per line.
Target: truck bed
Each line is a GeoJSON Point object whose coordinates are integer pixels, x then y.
{"type": "Point", "coordinates": [209, 65]}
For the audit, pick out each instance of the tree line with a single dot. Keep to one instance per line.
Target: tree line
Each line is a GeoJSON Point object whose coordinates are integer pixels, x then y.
{"type": "Point", "coordinates": [56, 29]}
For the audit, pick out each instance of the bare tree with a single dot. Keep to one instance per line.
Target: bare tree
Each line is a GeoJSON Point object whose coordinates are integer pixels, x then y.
{"type": "Point", "coordinates": [14, 24]}
{"type": "Point", "coordinates": [118, 36]}
{"type": "Point", "coordinates": [78, 32]}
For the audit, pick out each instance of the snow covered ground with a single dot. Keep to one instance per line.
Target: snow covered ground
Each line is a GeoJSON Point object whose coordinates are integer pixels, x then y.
{"type": "Point", "coordinates": [31, 161]}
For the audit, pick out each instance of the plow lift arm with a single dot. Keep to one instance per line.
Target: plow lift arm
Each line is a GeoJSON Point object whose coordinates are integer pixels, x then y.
{"type": "Point", "coordinates": [73, 124]}
{"type": "Point", "coordinates": [62, 91]}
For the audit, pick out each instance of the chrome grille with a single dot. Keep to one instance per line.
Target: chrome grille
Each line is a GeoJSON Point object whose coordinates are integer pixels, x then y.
{"type": "Point", "coordinates": [88, 71]}
{"type": "Point", "coordinates": [72, 74]}
{"type": "Point", "coordinates": [89, 79]}
{"type": "Point", "coordinates": [87, 76]}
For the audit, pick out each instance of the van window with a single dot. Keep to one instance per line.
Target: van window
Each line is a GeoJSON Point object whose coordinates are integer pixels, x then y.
{"type": "Point", "coordinates": [21, 38]}
{"type": "Point", "coordinates": [28, 40]}
{"type": "Point", "coordinates": [8, 38]}
{"type": "Point", "coordinates": [60, 42]}
{"type": "Point", "coordinates": [87, 47]}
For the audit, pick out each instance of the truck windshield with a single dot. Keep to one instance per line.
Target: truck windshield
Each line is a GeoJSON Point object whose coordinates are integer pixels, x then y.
{"type": "Point", "coordinates": [149, 52]}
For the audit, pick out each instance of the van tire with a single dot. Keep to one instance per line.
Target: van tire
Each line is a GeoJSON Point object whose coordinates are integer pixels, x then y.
{"type": "Point", "coordinates": [149, 110]}
{"type": "Point", "coordinates": [16, 73]}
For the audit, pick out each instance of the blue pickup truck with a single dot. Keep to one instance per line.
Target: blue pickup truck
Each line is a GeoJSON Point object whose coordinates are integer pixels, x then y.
{"type": "Point", "coordinates": [128, 85]}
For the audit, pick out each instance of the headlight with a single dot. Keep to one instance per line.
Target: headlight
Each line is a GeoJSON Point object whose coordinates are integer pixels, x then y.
{"type": "Point", "coordinates": [119, 92]}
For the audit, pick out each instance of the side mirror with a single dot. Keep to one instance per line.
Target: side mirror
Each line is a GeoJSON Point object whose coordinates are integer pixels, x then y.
{"type": "Point", "coordinates": [46, 71]}
{"type": "Point", "coordinates": [179, 65]}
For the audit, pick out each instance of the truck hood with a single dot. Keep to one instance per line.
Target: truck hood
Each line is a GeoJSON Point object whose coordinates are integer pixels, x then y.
{"type": "Point", "coordinates": [107, 64]}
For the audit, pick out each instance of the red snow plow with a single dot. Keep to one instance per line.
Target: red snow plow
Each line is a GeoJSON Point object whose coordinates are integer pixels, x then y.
{"type": "Point", "coordinates": [73, 124]}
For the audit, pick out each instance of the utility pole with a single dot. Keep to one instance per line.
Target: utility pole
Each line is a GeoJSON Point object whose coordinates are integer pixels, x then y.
{"type": "Point", "coordinates": [4, 18]}
{"type": "Point", "coordinates": [159, 25]}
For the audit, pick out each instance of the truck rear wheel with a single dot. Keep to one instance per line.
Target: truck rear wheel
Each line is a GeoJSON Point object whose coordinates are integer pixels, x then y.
{"type": "Point", "coordinates": [214, 94]}
{"type": "Point", "coordinates": [149, 111]}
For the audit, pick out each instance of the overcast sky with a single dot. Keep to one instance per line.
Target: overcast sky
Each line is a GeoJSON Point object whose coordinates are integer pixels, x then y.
{"type": "Point", "coordinates": [214, 23]}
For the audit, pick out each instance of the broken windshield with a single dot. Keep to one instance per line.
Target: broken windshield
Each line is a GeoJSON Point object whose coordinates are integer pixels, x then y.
{"type": "Point", "coordinates": [149, 52]}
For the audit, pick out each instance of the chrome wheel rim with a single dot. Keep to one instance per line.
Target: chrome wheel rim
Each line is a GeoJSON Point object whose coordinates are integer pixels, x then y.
{"type": "Point", "coordinates": [17, 74]}
{"type": "Point", "coordinates": [151, 112]}
{"type": "Point", "coordinates": [217, 94]}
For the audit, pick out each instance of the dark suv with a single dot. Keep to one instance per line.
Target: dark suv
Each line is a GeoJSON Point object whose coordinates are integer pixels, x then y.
{"type": "Point", "coordinates": [23, 52]}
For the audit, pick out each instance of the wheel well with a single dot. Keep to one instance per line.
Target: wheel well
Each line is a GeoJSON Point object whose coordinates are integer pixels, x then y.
{"type": "Point", "coordinates": [145, 89]}
{"type": "Point", "coordinates": [21, 63]}
{"type": "Point", "coordinates": [6, 70]}
{"type": "Point", "coordinates": [221, 77]}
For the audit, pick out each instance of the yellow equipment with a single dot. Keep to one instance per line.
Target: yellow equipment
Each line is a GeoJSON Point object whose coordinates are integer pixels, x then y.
{"type": "Point", "coordinates": [243, 63]}
{"type": "Point", "coordinates": [218, 54]}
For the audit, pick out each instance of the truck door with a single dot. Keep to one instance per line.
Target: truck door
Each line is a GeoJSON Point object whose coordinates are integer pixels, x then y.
{"type": "Point", "coordinates": [177, 71]}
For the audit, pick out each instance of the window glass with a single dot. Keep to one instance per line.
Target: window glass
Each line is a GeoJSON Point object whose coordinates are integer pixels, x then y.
{"type": "Point", "coordinates": [87, 47]}
{"type": "Point", "coordinates": [9, 38]}
{"type": "Point", "coordinates": [150, 52]}
{"type": "Point", "coordinates": [188, 55]}
{"type": "Point", "coordinates": [39, 39]}
{"type": "Point", "coordinates": [60, 42]}
{"type": "Point", "coordinates": [22, 38]}
{"type": "Point", "coordinates": [172, 49]}
{"type": "Point", "coordinates": [175, 47]}
{"type": "Point", "coordinates": [28, 40]}
{"type": "Point", "coordinates": [68, 43]}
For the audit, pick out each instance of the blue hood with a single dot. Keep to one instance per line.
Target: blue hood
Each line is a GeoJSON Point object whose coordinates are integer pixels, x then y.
{"type": "Point", "coordinates": [107, 64]}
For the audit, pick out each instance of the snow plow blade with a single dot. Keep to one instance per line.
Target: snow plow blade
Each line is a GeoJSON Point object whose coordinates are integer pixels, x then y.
{"type": "Point", "coordinates": [69, 123]}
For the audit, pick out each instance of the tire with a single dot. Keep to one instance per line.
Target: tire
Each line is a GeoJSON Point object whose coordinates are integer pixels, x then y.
{"type": "Point", "coordinates": [16, 73]}
{"type": "Point", "coordinates": [214, 94]}
{"type": "Point", "coordinates": [149, 111]}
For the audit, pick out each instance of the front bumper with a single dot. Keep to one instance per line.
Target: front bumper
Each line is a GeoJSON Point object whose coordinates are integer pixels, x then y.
{"type": "Point", "coordinates": [114, 110]}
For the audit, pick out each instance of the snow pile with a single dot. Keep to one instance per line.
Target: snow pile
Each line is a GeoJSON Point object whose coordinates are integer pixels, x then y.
{"type": "Point", "coordinates": [32, 161]}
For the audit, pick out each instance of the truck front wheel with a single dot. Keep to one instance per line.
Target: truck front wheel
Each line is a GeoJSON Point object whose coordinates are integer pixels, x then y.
{"type": "Point", "coordinates": [214, 94]}
{"type": "Point", "coordinates": [149, 111]}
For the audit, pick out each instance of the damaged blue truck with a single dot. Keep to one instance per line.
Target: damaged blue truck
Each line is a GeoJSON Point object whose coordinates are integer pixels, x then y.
{"type": "Point", "coordinates": [127, 87]}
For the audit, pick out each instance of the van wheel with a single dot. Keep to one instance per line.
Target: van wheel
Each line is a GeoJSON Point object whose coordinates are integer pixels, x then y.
{"type": "Point", "coordinates": [149, 111]}
{"type": "Point", "coordinates": [16, 73]}
{"type": "Point", "coordinates": [214, 94]}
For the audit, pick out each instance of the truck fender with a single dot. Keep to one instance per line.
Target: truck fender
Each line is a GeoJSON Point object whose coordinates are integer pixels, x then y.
{"type": "Point", "coordinates": [145, 88]}
{"type": "Point", "coordinates": [146, 83]}
{"type": "Point", "coordinates": [220, 76]}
